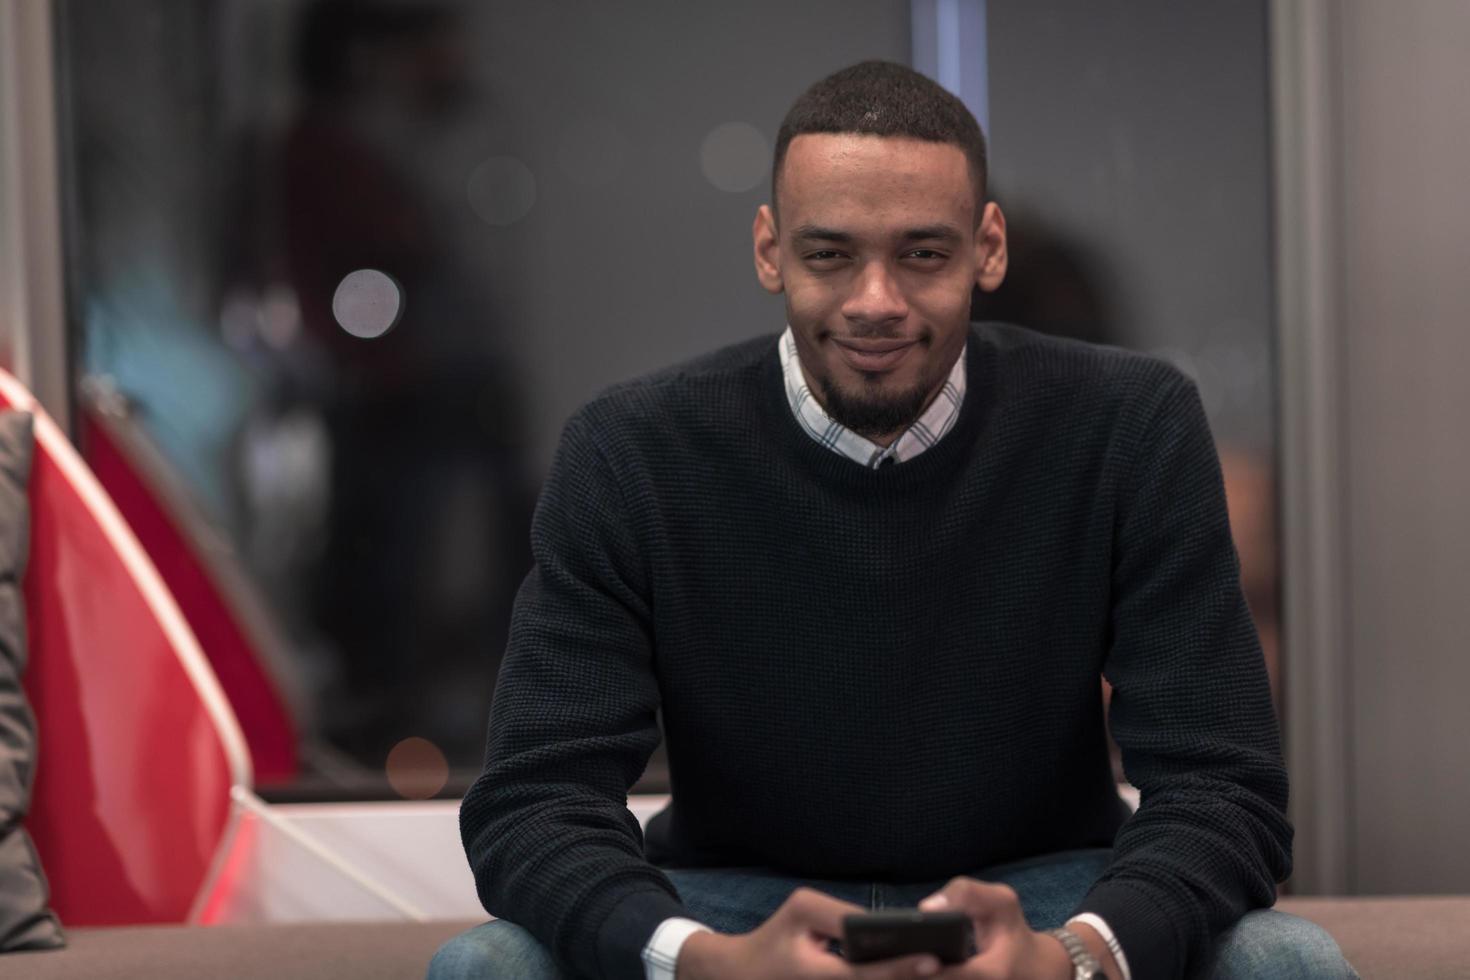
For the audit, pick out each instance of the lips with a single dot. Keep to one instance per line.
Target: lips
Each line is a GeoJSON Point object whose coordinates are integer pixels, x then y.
{"type": "Point", "coordinates": [874, 356]}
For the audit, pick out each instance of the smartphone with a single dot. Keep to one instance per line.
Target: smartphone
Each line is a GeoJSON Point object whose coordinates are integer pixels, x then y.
{"type": "Point", "coordinates": [884, 935]}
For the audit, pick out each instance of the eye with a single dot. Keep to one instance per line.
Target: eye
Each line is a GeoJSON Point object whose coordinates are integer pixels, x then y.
{"type": "Point", "coordinates": [825, 259]}
{"type": "Point", "coordinates": [927, 254]}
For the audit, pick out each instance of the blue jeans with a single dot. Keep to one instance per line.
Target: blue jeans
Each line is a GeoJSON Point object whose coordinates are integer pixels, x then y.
{"type": "Point", "coordinates": [1263, 944]}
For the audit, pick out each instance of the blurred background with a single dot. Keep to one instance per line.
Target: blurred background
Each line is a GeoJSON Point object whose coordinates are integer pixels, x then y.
{"type": "Point", "coordinates": [332, 273]}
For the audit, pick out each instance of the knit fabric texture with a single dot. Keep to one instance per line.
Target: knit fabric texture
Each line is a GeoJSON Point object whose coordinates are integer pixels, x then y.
{"type": "Point", "coordinates": [884, 674]}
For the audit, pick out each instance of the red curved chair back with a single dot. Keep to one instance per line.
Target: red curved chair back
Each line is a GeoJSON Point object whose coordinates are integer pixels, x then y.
{"type": "Point", "coordinates": [230, 622]}
{"type": "Point", "coordinates": [138, 748]}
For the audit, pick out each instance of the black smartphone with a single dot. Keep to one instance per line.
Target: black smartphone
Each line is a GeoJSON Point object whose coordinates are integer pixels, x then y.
{"type": "Point", "coordinates": [884, 935]}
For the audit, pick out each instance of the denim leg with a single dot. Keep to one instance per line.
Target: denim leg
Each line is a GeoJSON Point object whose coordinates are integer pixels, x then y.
{"type": "Point", "coordinates": [1264, 943]}
{"type": "Point", "coordinates": [738, 900]}
{"type": "Point", "coordinates": [727, 900]}
{"type": "Point", "coordinates": [497, 950]}
{"type": "Point", "coordinates": [1267, 943]}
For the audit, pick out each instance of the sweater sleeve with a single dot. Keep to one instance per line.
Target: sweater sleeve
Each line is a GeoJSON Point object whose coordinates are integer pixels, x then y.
{"type": "Point", "coordinates": [1191, 708]}
{"type": "Point", "coordinates": [546, 826]}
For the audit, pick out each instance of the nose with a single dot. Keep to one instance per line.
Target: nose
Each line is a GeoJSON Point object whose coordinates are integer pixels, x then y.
{"type": "Point", "coordinates": [876, 297]}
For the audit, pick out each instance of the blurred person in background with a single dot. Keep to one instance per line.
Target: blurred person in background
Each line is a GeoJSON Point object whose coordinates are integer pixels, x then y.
{"type": "Point", "coordinates": [425, 419]}
{"type": "Point", "coordinates": [870, 572]}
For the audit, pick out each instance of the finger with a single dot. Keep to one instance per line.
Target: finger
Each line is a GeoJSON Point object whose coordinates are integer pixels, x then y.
{"type": "Point", "coordinates": [978, 899]}
{"type": "Point", "coordinates": [820, 913]}
{"type": "Point", "coordinates": [899, 968]}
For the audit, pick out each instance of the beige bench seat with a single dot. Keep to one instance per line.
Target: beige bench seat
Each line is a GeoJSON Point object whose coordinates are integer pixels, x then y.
{"type": "Point", "coordinates": [1415, 938]}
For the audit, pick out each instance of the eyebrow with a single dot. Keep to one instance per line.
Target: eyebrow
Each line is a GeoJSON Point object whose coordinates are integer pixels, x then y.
{"type": "Point", "coordinates": [924, 233]}
{"type": "Point", "coordinates": [816, 233]}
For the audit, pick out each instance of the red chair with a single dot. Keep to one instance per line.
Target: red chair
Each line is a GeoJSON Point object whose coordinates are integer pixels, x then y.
{"type": "Point", "coordinates": [229, 618]}
{"type": "Point", "coordinates": [139, 750]}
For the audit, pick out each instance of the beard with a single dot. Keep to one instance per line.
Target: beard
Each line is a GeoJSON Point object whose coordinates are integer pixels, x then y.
{"type": "Point", "coordinates": [873, 413]}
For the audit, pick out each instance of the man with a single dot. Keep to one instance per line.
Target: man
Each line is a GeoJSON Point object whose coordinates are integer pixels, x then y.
{"type": "Point", "coordinates": [870, 572]}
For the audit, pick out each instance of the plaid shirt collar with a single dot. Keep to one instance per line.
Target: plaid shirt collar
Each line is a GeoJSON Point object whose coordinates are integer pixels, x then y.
{"type": "Point", "coordinates": [929, 428]}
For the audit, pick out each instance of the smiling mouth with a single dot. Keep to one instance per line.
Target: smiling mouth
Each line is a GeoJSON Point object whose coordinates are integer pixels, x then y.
{"type": "Point", "coordinates": [874, 356]}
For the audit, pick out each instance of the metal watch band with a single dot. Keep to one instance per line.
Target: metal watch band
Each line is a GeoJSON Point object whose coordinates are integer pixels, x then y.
{"type": "Point", "coordinates": [1085, 966]}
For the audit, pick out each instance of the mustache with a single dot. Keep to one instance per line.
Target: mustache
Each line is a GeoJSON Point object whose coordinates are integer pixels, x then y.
{"type": "Point", "coordinates": [881, 332]}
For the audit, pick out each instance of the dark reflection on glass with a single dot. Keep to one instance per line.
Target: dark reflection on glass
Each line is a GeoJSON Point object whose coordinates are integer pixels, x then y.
{"type": "Point", "coordinates": [424, 425]}
{"type": "Point", "coordinates": [1055, 282]}
{"type": "Point", "coordinates": [273, 282]}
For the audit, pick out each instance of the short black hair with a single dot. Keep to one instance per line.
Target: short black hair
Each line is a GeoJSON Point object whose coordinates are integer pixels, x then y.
{"type": "Point", "coordinates": [881, 98]}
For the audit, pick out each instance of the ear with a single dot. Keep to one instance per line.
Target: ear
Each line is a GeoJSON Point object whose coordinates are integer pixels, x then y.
{"type": "Point", "coordinates": [991, 257]}
{"type": "Point", "coordinates": [767, 250]}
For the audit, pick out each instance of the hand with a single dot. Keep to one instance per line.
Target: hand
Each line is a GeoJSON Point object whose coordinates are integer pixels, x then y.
{"type": "Point", "coordinates": [791, 943]}
{"type": "Point", "coordinates": [1006, 947]}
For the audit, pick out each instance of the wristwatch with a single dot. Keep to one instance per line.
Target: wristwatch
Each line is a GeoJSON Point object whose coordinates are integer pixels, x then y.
{"type": "Point", "coordinates": [1084, 965]}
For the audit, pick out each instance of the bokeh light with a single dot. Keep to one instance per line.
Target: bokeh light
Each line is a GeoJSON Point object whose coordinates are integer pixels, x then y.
{"type": "Point", "coordinates": [280, 316]}
{"type": "Point", "coordinates": [735, 157]}
{"type": "Point", "coordinates": [367, 303]}
{"type": "Point", "coordinates": [501, 190]}
{"type": "Point", "coordinates": [416, 769]}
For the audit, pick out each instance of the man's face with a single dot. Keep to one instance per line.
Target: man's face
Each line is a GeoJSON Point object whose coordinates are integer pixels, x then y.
{"type": "Point", "coordinates": [877, 250]}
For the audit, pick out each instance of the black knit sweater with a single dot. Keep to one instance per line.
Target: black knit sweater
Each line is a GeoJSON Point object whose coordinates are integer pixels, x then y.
{"type": "Point", "coordinates": [885, 674]}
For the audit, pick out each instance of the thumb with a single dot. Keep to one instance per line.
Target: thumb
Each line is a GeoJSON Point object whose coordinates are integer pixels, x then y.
{"type": "Point", "coordinates": [975, 898]}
